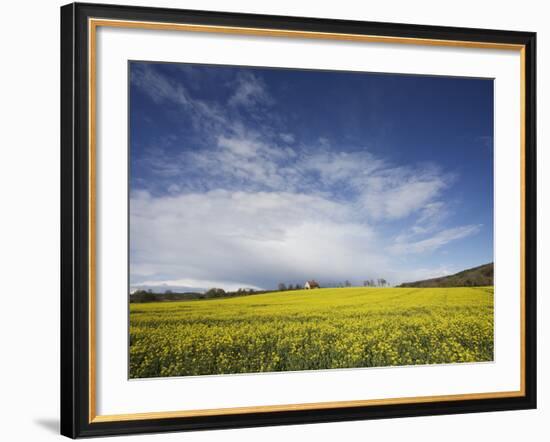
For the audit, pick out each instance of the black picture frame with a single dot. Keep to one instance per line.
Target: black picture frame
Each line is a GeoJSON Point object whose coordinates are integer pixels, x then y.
{"type": "Point", "coordinates": [75, 221]}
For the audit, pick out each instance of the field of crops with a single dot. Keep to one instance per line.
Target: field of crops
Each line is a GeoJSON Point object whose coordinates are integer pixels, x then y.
{"type": "Point", "coordinates": [312, 329]}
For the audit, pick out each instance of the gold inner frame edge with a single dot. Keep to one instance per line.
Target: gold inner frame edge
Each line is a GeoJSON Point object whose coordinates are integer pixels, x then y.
{"type": "Point", "coordinates": [93, 24]}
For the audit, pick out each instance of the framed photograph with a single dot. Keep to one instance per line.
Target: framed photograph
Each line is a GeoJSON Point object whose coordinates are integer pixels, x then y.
{"type": "Point", "coordinates": [274, 220]}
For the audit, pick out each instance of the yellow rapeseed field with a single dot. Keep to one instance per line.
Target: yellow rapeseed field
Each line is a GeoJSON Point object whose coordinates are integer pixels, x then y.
{"type": "Point", "coordinates": [310, 330]}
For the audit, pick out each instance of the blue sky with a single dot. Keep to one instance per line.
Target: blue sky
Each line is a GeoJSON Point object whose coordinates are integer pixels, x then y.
{"type": "Point", "coordinates": [246, 177]}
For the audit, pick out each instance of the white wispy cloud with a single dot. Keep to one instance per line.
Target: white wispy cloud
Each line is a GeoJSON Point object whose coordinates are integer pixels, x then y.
{"type": "Point", "coordinates": [436, 241]}
{"type": "Point", "coordinates": [204, 114]}
{"type": "Point", "coordinates": [250, 91]}
{"type": "Point", "coordinates": [287, 137]}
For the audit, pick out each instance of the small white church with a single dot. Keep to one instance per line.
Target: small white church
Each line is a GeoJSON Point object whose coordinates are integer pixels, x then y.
{"type": "Point", "coordinates": [311, 284]}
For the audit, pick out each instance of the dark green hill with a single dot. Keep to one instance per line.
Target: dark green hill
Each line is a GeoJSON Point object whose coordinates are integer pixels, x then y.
{"type": "Point", "coordinates": [477, 276]}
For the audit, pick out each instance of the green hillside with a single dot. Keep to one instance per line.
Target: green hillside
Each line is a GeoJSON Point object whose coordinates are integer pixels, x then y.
{"type": "Point", "coordinates": [474, 277]}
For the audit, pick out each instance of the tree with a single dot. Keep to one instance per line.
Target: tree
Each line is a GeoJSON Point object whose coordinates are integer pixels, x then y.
{"type": "Point", "coordinates": [282, 286]}
{"type": "Point", "coordinates": [170, 295]}
{"type": "Point", "coordinates": [214, 293]}
{"type": "Point", "coordinates": [347, 283]}
{"type": "Point", "coordinates": [143, 296]}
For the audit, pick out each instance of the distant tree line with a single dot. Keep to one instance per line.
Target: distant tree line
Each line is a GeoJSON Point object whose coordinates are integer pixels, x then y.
{"type": "Point", "coordinates": [380, 282]}
{"type": "Point", "coordinates": [367, 283]}
{"type": "Point", "coordinates": [140, 296]}
{"type": "Point", "coordinates": [282, 286]}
